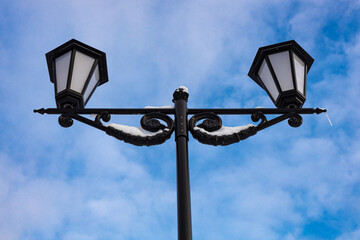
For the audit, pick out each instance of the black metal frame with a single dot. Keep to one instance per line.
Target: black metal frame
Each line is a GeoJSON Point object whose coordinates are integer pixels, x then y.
{"type": "Point", "coordinates": [150, 122]}
{"type": "Point", "coordinates": [211, 122]}
{"type": "Point", "coordinates": [182, 126]}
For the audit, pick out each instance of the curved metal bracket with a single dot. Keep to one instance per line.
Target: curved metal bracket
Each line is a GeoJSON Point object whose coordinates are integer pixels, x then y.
{"type": "Point", "coordinates": [208, 132]}
{"type": "Point", "coordinates": [149, 123]}
{"type": "Point", "coordinates": [211, 131]}
{"type": "Point", "coordinates": [295, 120]}
{"type": "Point", "coordinates": [152, 131]}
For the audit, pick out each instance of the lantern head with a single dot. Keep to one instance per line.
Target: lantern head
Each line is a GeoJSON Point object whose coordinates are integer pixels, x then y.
{"type": "Point", "coordinates": [76, 69]}
{"type": "Point", "coordinates": [281, 70]}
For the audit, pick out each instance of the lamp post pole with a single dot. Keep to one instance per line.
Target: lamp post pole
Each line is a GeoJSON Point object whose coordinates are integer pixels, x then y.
{"type": "Point", "coordinates": [182, 165]}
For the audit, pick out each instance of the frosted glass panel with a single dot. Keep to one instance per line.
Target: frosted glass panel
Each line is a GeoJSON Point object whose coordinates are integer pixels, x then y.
{"type": "Point", "coordinates": [81, 70]}
{"type": "Point", "coordinates": [266, 78]}
{"type": "Point", "coordinates": [300, 73]}
{"type": "Point", "coordinates": [62, 64]}
{"type": "Point", "coordinates": [281, 65]}
{"type": "Point", "coordinates": [92, 84]}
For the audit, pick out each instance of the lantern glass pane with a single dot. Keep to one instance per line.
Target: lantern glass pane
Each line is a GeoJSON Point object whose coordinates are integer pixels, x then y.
{"type": "Point", "coordinates": [94, 80]}
{"type": "Point", "coordinates": [281, 65]}
{"type": "Point", "coordinates": [266, 77]}
{"type": "Point", "coordinates": [81, 71]}
{"type": "Point", "coordinates": [299, 66]}
{"type": "Point", "coordinates": [62, 64]}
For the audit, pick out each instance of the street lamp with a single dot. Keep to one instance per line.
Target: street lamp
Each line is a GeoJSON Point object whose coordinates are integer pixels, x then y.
{"type": "Point", "coordinates": [281, 70]}
{"type": "Point", "coordinates": [77, 69]}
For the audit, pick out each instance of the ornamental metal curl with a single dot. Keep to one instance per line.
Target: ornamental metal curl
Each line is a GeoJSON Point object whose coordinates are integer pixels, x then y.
{"type": "Point", "coordinates": [211, 123]}
{"type": "Point", "coordinates": [105, 116]}
{"type": "Point", "coordinates": [295, 120]}
{"type": "Point", "coordinates": [150, 123]}
{"type": "Point", "coordinates": [256, 116]}
{"type": "Point", "coordinates": [204, 132]}
{"type": "Point", "coordinates": [65, 121]}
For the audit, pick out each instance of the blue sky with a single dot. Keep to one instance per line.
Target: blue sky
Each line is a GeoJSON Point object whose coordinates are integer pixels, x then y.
{"type": "Point", "coordinates": [78, 183]}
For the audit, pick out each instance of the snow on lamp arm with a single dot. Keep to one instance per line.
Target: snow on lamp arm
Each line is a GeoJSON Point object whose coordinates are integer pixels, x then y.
{"type": "Point", "coordinates": [76, 69]}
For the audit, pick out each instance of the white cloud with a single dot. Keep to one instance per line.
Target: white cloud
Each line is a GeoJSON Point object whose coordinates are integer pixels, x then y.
{"type": "Point", "coordinates": [277, 197]}
{"type": "Point", "coordinates": [42, 205]}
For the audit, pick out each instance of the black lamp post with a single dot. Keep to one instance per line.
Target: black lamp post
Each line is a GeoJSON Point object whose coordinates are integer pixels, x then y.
{"type": "Point", "coordinates": [77, 69]}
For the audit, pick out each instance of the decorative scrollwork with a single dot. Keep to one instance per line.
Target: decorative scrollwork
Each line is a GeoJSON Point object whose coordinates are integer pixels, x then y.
{"type": "Point", "coordinates": [206, 131]}
{"type": "Point", "coordinates": [65, 121]}
{"type": "Point", "coordinates": [295, 120]}
{"type": "Point", "coordinates": [105, 116]}
{"type": "Point", "coordinates": [150, 123]}
{"type": "Point", "coordinates": [211, 123]}
{"type": "Point", "coordinates": [256, 116]}
{"type": "Point", "coordinates": [153, 132]}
